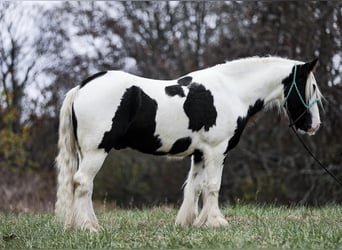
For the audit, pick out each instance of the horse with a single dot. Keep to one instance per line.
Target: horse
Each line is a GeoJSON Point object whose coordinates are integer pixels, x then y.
{"type": "Point", "coordinates": [201, 115]}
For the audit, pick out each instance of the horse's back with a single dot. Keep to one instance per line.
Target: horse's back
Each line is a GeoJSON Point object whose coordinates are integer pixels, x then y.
{"type": "Point", "coordinates": [118, 110]}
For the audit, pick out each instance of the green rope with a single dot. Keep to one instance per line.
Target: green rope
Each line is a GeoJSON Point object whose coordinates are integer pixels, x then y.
{"type": "Point", "coordinates": [294, 84]}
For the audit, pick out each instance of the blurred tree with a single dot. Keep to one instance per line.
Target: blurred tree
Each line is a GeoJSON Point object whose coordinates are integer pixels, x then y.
{"type": "Point", "coordinates": [20, 187]}
{"type": "Point", "coordinates": [167, 39]}
{"type": "Point", "coordinates": [17, 71]}
{"type": "Point", "coordinates": [17, 62]}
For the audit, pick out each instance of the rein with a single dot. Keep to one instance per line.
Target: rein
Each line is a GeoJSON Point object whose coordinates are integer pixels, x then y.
{"type": "Point", "coordinates": [292, 123]}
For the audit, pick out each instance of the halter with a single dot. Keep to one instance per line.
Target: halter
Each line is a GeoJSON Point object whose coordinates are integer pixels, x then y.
{"type": "Point", "coordinates": [294, 84]}
{"type": "Point", "coordinates": [307, 106]}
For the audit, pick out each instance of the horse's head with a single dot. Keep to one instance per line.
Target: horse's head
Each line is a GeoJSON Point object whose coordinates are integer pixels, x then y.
{"type": "Point", "coordinates": [302, 96]}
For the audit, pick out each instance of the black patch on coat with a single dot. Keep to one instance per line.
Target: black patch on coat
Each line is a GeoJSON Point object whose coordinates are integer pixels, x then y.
{"type": "Point", "coordinates": [185, 81]}
{"type": "Point", "coordinates": [133, 124]}
{"type": "Point", "coordinates": [74, 122]}
{"type": "Point", "coordinates": [199, 107]}
{"type": "Point", "coordinates": [92, 77]}
{"type": "Point", "coordinates": [181, 145]}
{"type": "Point", "coordinates": [198, 156]}
{"type": "Point", "coordinates": [241, 123]}
{"type": "Point", "coordinates": [174, 90]}
{"type": "Point", "coordinates": [294, 105]}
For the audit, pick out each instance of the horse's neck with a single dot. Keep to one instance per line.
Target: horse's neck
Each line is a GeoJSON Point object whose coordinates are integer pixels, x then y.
{"type": "Point", "coordinates": [258, 78]}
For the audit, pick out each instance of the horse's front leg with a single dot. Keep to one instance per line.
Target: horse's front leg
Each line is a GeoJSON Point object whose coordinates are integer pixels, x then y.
{"type": "Point", "coordinates": [193, 187]}
{"type": "Point", "coordinates": [213, 165]}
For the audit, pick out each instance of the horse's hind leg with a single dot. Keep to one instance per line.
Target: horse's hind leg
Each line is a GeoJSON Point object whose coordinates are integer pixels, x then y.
{"type": "Point", "coordinates": [82, 215]}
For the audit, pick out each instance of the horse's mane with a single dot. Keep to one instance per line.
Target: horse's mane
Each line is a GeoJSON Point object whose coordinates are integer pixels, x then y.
{"type": "Point", "coordinates": [252, 63]}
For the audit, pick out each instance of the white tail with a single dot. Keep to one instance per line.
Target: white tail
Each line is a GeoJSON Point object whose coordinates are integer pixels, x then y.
{"type": "Point", "coordinates": [67, 159]}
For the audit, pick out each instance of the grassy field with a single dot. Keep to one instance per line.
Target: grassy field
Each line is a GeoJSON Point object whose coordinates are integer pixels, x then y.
{"type": "Point", "coordinates": [249, 227]}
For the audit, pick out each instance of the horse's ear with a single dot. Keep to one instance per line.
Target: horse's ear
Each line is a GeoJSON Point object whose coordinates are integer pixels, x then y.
{"type": "Point", "coordinates": [311, 66]}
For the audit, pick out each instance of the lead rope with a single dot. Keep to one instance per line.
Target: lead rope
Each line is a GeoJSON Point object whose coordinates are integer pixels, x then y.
{"type": "Point", "coordinates": [315, 158]}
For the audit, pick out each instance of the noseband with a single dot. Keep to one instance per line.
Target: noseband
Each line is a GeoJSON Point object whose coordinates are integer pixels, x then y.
{"type": "Point", "coordinates": [307, 106]}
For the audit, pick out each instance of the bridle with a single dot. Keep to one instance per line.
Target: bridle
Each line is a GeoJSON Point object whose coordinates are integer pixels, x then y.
{"type": "Point", "coordinates": [292, 123]}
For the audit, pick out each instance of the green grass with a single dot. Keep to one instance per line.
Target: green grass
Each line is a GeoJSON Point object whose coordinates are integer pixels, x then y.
{"type": "Point", "coordinates": [249, 227]}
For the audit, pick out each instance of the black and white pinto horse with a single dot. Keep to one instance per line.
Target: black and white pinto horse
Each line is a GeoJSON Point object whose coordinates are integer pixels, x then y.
{"type": "Point", "coordinates": [201, 115]}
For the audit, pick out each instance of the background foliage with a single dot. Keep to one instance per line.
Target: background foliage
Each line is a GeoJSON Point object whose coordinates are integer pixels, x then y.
{"type": "Point", "coordinates": [47, 48]}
